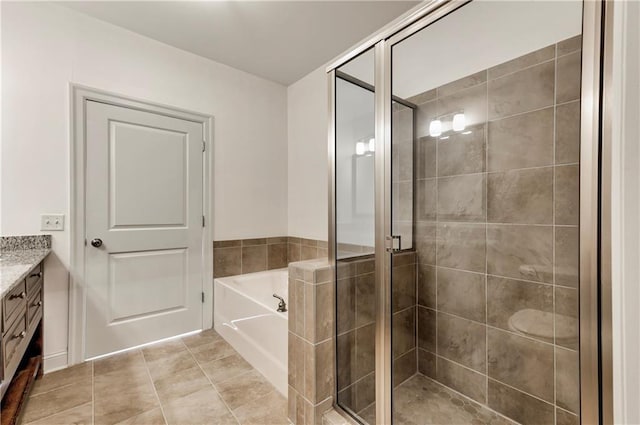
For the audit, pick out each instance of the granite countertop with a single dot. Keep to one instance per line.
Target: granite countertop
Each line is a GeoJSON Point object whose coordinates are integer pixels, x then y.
{"type": "Point", "coordinates": [18, 256]}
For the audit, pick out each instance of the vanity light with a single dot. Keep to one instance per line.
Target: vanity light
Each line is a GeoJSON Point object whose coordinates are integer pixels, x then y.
{"type": "Point", "coordinates": [435, 128]}
{"type": "Point", "coordinates": [459, 122]}
{"type": "Point", "coordinates": [360, 149]}
{"type": "Point", "coordinates": [372, 145]}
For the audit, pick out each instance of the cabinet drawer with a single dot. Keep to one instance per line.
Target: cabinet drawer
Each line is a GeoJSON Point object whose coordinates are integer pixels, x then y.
{"type": "Point", "coordinates": [14, 304]}
{"type": "Point", "coordinates": [34, 309]}
{"type": "Point", "coordinates": [34, 280]}
{"type": "Point", "coordinates": [13, 343]}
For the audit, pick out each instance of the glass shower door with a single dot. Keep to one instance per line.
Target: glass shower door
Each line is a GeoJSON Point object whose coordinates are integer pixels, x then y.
{"type": "Point", "coordinates": [486, 182]}
{"type": "Point", "coordinates": [355, 236]}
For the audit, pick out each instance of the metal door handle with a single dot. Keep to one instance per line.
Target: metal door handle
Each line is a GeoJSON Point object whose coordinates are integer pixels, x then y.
{"type": "Point", "coordinates": [390, 243]}
{"type": "Point", "coordinates": [96, 243]}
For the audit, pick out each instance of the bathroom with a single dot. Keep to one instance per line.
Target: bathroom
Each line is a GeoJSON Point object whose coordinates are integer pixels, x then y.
{"type": "Point", "coordinates": [391, 212]}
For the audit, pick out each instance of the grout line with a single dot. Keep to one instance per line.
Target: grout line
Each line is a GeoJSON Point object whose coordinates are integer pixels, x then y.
{"type": "Point", "coordinates": [486, 260]}
{"type": "Point", "coordinates": [524, 67]}
{"type": "Point", "coordinates": [211, 382]}
{"type": "Point", "coordinates": [550, 403]}
{"type": "Point", "coordinates": [529, 111]}
{"type": "Point", "coordinates": [502, 171]}
{"type": "Point", "coordinates": [153, 385]}
{"type": "Point", "coordinates": [553, 245]}
{"type": "Point", "coordinates": [56, 413]}
{"type": "Point", "coordinates": [93, 393]}
{"type": "Point", "coordinates": [509, 331]}
{"type": "Point", "coordinates": [437, 176]}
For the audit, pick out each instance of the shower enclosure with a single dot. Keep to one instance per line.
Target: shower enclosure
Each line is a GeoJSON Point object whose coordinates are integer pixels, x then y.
{"type": "Point", "coordinates": [456, 224]}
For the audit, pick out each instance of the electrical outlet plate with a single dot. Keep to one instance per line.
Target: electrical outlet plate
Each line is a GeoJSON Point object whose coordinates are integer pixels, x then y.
{"type": "Point", "coordinates": [52, 222]}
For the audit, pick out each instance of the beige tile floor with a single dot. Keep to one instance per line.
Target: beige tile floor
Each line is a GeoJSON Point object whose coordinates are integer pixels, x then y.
{"type": "Point", "coordinates": [199, 379]}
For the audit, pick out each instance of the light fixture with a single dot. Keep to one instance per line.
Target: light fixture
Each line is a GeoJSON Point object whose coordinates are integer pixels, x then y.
{"type": "Point", "coordinates": [360, 148]}
{"type": "Point", "coordinates": [435, 128]}
{"type": "Point", "coordinates": [372, 145]}
{"type": "Point", "coordinates": [459, 122]}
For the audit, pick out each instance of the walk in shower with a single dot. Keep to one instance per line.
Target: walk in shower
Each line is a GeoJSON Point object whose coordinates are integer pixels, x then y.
{"type": "Point", "coordinates": [456, 146]}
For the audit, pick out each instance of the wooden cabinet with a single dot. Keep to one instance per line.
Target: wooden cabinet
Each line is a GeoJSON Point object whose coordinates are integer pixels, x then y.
{"type": "Point", "coordinates": [21, 342]}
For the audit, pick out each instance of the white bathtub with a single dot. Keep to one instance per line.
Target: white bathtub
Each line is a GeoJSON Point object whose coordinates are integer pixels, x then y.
{"type": "Point", "coordinates": [245, 315]}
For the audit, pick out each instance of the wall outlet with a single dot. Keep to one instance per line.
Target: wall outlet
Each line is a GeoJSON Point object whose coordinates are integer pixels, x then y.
{"type": "Point", "coordinates": [52, 222]}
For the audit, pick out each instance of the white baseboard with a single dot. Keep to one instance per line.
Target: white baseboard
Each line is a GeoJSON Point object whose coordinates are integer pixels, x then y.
{"type": "Point", "coordinates": [56, 361]}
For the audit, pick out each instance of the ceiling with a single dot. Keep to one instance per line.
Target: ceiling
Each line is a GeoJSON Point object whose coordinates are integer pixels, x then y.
{"type": "Point", "coordinates": [278, 40]}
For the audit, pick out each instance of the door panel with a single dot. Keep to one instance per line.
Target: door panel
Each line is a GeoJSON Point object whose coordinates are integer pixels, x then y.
{"type": "Point", "coordinates": [135, 278]}
{"type": "Point", "coordinates": [144, 202]}
{"type": "Point", "coordinates": [160, 185]}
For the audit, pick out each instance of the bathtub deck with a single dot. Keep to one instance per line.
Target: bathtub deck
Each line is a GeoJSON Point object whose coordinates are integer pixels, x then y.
{"type": "Point", "coordinates": [193, 380]}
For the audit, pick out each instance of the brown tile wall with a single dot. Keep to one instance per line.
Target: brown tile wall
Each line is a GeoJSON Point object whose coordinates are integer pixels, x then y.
{"type": "Point", "coordinates": [311, 343]}
{"type": "Point", "coordinates": [356, 327]}
{"type": "Point", "coordinates": [356, 332]}
{"type": "Point", "coordinates": [234, 257]}
{"type": "Point", "coordinates": [497, 233]}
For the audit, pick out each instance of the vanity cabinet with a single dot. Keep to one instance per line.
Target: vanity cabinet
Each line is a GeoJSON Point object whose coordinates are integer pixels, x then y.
{"type": "Point", "coordinates": [21, 342]}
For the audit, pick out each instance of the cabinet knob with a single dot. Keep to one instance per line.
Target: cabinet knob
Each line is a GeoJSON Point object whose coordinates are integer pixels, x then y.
{"type": "Point", "coordinates": [38, 304]}
{"type": "Point", "coordinates": [20, 335]}
{"type": "Point", "coordinates": [39, 274]}
{"type": "Point", "coordinates": [20, 295]}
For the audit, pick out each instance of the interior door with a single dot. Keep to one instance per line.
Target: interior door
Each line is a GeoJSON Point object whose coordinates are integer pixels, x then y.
{"type": "Point", "coordinates": [144, 235]}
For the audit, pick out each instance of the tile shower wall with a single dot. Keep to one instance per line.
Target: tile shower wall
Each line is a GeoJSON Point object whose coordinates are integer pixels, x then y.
{"type": "Point", "coordinates": [234, 257]}
{"type": "Point", "coordinates": [356, 328]}
{"type": "Point", "coordinates": [497, 236]}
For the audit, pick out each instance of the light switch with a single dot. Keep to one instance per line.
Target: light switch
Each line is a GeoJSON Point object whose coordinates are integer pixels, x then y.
{"type": "Point", "coordinates": [52, 222]}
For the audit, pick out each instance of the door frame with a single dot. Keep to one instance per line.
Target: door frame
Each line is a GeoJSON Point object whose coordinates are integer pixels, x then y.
{"type": "Point", "coordinates": [79, 96]}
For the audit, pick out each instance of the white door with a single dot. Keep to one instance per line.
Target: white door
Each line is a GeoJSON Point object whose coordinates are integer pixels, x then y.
{"type": "Point", "coordinates": [144, 210]}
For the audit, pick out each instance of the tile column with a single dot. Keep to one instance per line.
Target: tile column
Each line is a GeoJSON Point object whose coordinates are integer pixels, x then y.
{"type": "Point", "coordinates": [311, 344]}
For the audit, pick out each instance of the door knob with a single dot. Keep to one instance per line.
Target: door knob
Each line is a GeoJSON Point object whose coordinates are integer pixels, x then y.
{"type": "Point", "coordinates": [96, 243]}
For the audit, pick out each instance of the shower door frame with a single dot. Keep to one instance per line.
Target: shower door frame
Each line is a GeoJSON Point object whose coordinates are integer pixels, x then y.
{"type": "Point", "coordinates": [596, 393]}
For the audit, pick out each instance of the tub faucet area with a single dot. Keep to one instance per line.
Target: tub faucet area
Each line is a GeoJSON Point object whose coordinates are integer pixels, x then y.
{"type": "Point", "coordinates": [282, 305]}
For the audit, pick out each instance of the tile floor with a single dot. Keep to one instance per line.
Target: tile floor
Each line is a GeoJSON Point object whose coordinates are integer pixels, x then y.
{"type": "Point", "coordinates": [199, 379]}
{"type": "Point", "coordinates": [421, 400]}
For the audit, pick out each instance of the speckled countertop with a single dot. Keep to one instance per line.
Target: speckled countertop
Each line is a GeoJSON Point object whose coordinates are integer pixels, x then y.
{"type": "Point", "coordinates": [18, 256]}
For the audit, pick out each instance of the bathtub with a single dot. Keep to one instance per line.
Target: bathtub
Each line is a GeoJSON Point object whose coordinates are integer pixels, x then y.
{"type": "Point", "coordinates": [245, 315]}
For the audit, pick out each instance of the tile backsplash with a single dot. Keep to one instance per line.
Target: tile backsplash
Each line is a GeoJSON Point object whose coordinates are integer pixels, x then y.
{"type": "Point", "coordinates": [240, 256]}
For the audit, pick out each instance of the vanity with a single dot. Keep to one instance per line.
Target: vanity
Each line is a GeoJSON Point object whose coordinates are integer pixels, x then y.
{"type": "Point", "coordinates": [21, 307]}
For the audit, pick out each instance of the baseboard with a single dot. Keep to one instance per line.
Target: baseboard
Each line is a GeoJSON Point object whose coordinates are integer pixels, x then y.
{"type": "Point", "coordinates": [56, 361]}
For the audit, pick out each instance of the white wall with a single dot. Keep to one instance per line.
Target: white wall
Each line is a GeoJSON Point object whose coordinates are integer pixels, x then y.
{"type": "Point", "coordinates": [480, 35]}
{"type": "Point", "coordinates": [308, 168]}
{"type": "Point", "coordinates": [625, 200]}
{"type": "Point", "coordinates": [45, 47]}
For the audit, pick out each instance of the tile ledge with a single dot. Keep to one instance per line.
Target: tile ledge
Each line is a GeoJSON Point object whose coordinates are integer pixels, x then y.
{"type": "Point", "coordinates": [333, 417]}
